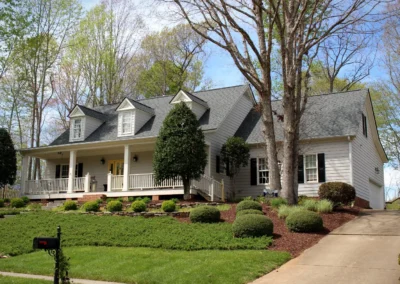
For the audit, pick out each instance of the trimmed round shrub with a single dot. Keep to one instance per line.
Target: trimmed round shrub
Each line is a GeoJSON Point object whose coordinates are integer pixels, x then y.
{"type": "Point", "coordinates": [91, 206]}
{"type": "Point", "coordinates": [310, 204]}
{"type": "Point", "coordinates": [17, 203]}
{"type": "Point", "coordinates": [138, 206]}
{"type": "Point", "coordinates": [1, 203]}
{"type": "Point", "coordinates": [325, 206]}
{"type": "Point", "coordinates": [25, 199]}
{"type": "Point", "coordinates": [205, 214]}
{"type": "Point", "coordinates": [168, 206]}
{"type": "Point", "coordinates": [249, 211]}
{"type": "Point", "coordinates": [305, 221]}
{"type": "Point", "coordinates": [70, 205]}
{"type": "Point", "coordinates": [248, 204]}
{"type": "Point", "coordinates": [337, 192]}
{"type": "Point", "coordinates": [277, 202]}
{"type": "Point", "coordinates": [252, 225]}
{"type": "Point", "coordinates": [114, 206]}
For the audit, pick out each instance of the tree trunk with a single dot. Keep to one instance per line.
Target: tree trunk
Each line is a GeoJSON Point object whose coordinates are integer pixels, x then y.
{"type": "Point", "coordinates": [186, 188]}
{"type": "Point", "coordinates": [267, 119]}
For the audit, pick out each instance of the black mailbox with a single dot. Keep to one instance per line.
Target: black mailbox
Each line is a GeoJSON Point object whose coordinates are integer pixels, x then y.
{"type": "Point", "coordinates": [46, 243]}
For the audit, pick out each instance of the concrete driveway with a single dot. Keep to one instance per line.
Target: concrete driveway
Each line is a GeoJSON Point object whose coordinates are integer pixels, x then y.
{"type": "Point", "coordinates": [363, 251]}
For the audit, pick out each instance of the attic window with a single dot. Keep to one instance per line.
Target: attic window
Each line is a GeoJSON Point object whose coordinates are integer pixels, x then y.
{"type": "Point", "coordinates": [77, 128]}
{"type": "Point", "coordinates": [126, 123]}
{"type": "Point", "coordinates": [364, 124]}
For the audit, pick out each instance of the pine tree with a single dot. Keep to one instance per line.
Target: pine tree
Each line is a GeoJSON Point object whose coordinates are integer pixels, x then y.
{"type": "Point", "coordinates": [180, 148]}
{"type": "Point", "coordinates": [8, 160]}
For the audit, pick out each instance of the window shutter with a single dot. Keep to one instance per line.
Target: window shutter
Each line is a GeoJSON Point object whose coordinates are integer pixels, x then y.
{"type": "Point", "coordinates": [366, 128]}
{"type": "Point", "coordinates": [217, 164]}
{"type": "Point", "coordinates": [300, 176]}
{"type": "Point", "coordinates": [253, 171]}
{"type": "Point", "coordinates": [321, 168]}
{"type": "Point", "coordinates": [58, 171]}
{"type": "Point", "coordinates": [80, 170]}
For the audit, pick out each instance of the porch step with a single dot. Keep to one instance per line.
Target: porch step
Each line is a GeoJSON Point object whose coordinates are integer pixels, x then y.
{"type": "Point", "coordinates": [204, 195]}
{"type": "Point", "coordinates": [91, 197]}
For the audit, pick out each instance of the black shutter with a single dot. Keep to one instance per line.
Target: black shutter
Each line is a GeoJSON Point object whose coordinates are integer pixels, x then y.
{"type": "Point", "coordinates": [300, 176]}
{"type": "Point", "coordinates": [366, 127]}
{"type": "Point", "coordinates": [217, 165]}
{"type": "Point", "coordinates": [58, 171]}
{"type": "Point", "coordinates": [253, 171]}
{"type": "Point", "coordinates": [321, 168]}
{"type": "Point", "coordinates": [80, 170]}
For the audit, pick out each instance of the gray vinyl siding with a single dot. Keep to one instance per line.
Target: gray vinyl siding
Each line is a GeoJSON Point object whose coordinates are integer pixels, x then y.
{"type": "Point", "coordinates": [227, 129]}
{"type": "Point", "coordinates": [337, 167]}
{"type": "Point", "coordinates": [197, 109]}
{"type": "Point", "coordinates": [91, 124]}
{"type": "Point", "coordinates": [365, 159]}
{"type": "Point", "coordinates": [140, 119]}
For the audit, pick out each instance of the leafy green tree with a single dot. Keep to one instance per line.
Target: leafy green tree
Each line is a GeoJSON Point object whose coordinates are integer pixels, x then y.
{"type": "Point", "coordinates": [180, 148]}
{"type": "Point", "coordinates": [8, 160]}
{"type": "Point", "coordinates": [235, 154]}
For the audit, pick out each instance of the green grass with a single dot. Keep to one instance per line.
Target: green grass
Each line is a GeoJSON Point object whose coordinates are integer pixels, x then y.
{"type": "Point", "coordinates": [117, 231]}
{"type": "Point", "coordinates": [17, 280]}
{"type": "Point", "coordinates": [393, 206]}
{"type": "Point", "coordinates": [146, 265]}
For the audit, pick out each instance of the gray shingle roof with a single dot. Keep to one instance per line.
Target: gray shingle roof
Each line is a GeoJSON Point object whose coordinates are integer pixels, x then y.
{"type": "Point", "coordinates": [141, 106]}
{"type": "Point", "coordinates": [93, 113]}
{"type": "Point", "coordinates": [220, 101]}
{"type": "Point", "coordinates": [196, 99]}
{"type": "Point", "coordinates": [331, 115]}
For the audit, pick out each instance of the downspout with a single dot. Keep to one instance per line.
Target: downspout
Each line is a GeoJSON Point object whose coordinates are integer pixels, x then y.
{"type": "Point", "coordinates": [350, 160]}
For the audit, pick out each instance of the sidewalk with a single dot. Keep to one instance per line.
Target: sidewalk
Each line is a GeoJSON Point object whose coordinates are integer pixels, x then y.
{"type": "Point", "coordinates": [41, 277]}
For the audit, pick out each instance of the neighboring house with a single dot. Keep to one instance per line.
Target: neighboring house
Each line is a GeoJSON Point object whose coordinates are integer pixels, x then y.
{"type": "Point", "coordinates": [112, 147]}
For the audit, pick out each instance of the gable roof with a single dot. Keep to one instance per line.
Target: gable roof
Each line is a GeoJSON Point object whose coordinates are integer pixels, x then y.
{"type": "Point", "coordinates": [330, 115]}
{"type": "Point", "coordinates": [191, 97]}
{"type": "Point", "coordinates": [220, 101]}
{"type": "Point", "coordinates": [138, 105]}
{"type": "Point", "coordinates": [90, 112]}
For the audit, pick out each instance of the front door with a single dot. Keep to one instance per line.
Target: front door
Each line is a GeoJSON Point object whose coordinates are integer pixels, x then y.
{"type": "Point", "coordinates": [116, 167]}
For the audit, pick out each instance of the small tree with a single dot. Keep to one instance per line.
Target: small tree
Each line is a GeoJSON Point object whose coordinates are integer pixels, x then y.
{"type": "Point", "coordinates": [180, 148]}
{"type": "Point", "coordinates": [8, 160]}
{"type": "Point", "coordinates": [235, 154]}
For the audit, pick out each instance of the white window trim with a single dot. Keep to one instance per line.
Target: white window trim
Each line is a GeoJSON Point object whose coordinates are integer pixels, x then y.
{"type": "Point", "coordinates": [258, 172]}
{"type": "Point", "coordinates": [127, 114]}
{"type": "Point", "coordinates": [67, 165]}
{"type": "Point", "coordinates": [305, 168]}
{"type": "Point", "coordinates": [72, 129]}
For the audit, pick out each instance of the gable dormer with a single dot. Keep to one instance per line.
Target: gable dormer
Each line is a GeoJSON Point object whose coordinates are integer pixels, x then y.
{"type": "Point", "coordinates": [197, 105]}
{"type": "Point", "coordinates": [83, 121]}
{"type": "Point", "coordinates": [132, 115]}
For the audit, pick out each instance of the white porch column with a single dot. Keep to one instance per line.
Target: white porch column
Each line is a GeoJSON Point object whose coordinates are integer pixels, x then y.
{"type": "Point", "coordinates": [24, 174]}
{"type": "Point", "coordinates": [71, 172]}
{"type": "Point", "coordinates": [127, 167]}
{"type": "Point", "coordinates": [87, 183]}
{"type": "Point", "coordinates": [109, 178]}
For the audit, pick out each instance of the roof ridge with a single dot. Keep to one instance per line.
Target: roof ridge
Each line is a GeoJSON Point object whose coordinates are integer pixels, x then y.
{"type": "Point", "coordinates": [241, 85]}
{"type": "Point", "coordinates": [327, 94]}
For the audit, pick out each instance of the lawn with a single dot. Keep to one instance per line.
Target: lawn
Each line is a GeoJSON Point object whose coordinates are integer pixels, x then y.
{"type": "Point", "coordinates": [119, 231]}
{"type": "Point", "coordinates": [17, 280]}
{"type": "Point", "coordinates": [147, 265]}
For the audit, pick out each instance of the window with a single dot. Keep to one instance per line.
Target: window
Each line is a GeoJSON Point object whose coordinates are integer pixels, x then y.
{"type": "Point", "coordinates": [77, 128]}
{"type": "Point", "coordinates": [263, 173]}
{"type": "Point", "coordinates": [364, 124]}
{"type": "Point", "coordinates": [311, 168]}
{"type": "Point", "coordinates": [126, 123]}
{"type": "Point", "coordinates": [64, 171]}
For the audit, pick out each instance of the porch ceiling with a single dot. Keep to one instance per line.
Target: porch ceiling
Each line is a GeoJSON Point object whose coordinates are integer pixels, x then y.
{"type": "Point", "coordinates": [116, 149]}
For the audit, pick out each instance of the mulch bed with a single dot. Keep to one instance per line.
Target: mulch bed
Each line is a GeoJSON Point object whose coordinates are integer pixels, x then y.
{"type": "Point", "coordinates": [295, 243]}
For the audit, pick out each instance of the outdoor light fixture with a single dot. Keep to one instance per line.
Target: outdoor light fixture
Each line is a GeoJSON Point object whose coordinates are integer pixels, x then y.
{"type": "Point", "coordinates": [135, 158]}
{"type": "Point", "coordinates": [102, 161]}
{"type": "Point", "coordinates": [377, 170]}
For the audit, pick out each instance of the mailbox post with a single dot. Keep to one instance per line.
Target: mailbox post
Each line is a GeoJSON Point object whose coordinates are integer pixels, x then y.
{"type": "Point", "coordinates": [52, 246]}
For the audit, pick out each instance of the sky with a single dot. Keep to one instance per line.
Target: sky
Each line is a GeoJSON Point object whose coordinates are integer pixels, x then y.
{"type": "Point", "coordinates": [220, 67]}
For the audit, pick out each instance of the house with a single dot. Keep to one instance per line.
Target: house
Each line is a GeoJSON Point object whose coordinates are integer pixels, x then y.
{"type": "Point", "coordinates": [109, 149]}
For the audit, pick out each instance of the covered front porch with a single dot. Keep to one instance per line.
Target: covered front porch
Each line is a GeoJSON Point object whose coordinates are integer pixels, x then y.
{"type": "Point", "coordinates": [115, 170]}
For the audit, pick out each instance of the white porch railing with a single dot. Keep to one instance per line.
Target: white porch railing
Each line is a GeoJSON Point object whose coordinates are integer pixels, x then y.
{"type": "Point", "coordinates": [48, 186]}
{"type": "Point", "coordinates": [147, 181]}
{"type": "Point", "coordinates": [117, 182]}
{"type": "Point", "coordinates": [210, 187]}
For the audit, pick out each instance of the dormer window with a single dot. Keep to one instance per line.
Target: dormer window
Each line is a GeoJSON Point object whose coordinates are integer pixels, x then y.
{"type": "Point", "coordinates": [197, 105]}
{"type": "Point", "coordinates": [126, 122]}
{"type": "Point", "coordinates": [77, 128]}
